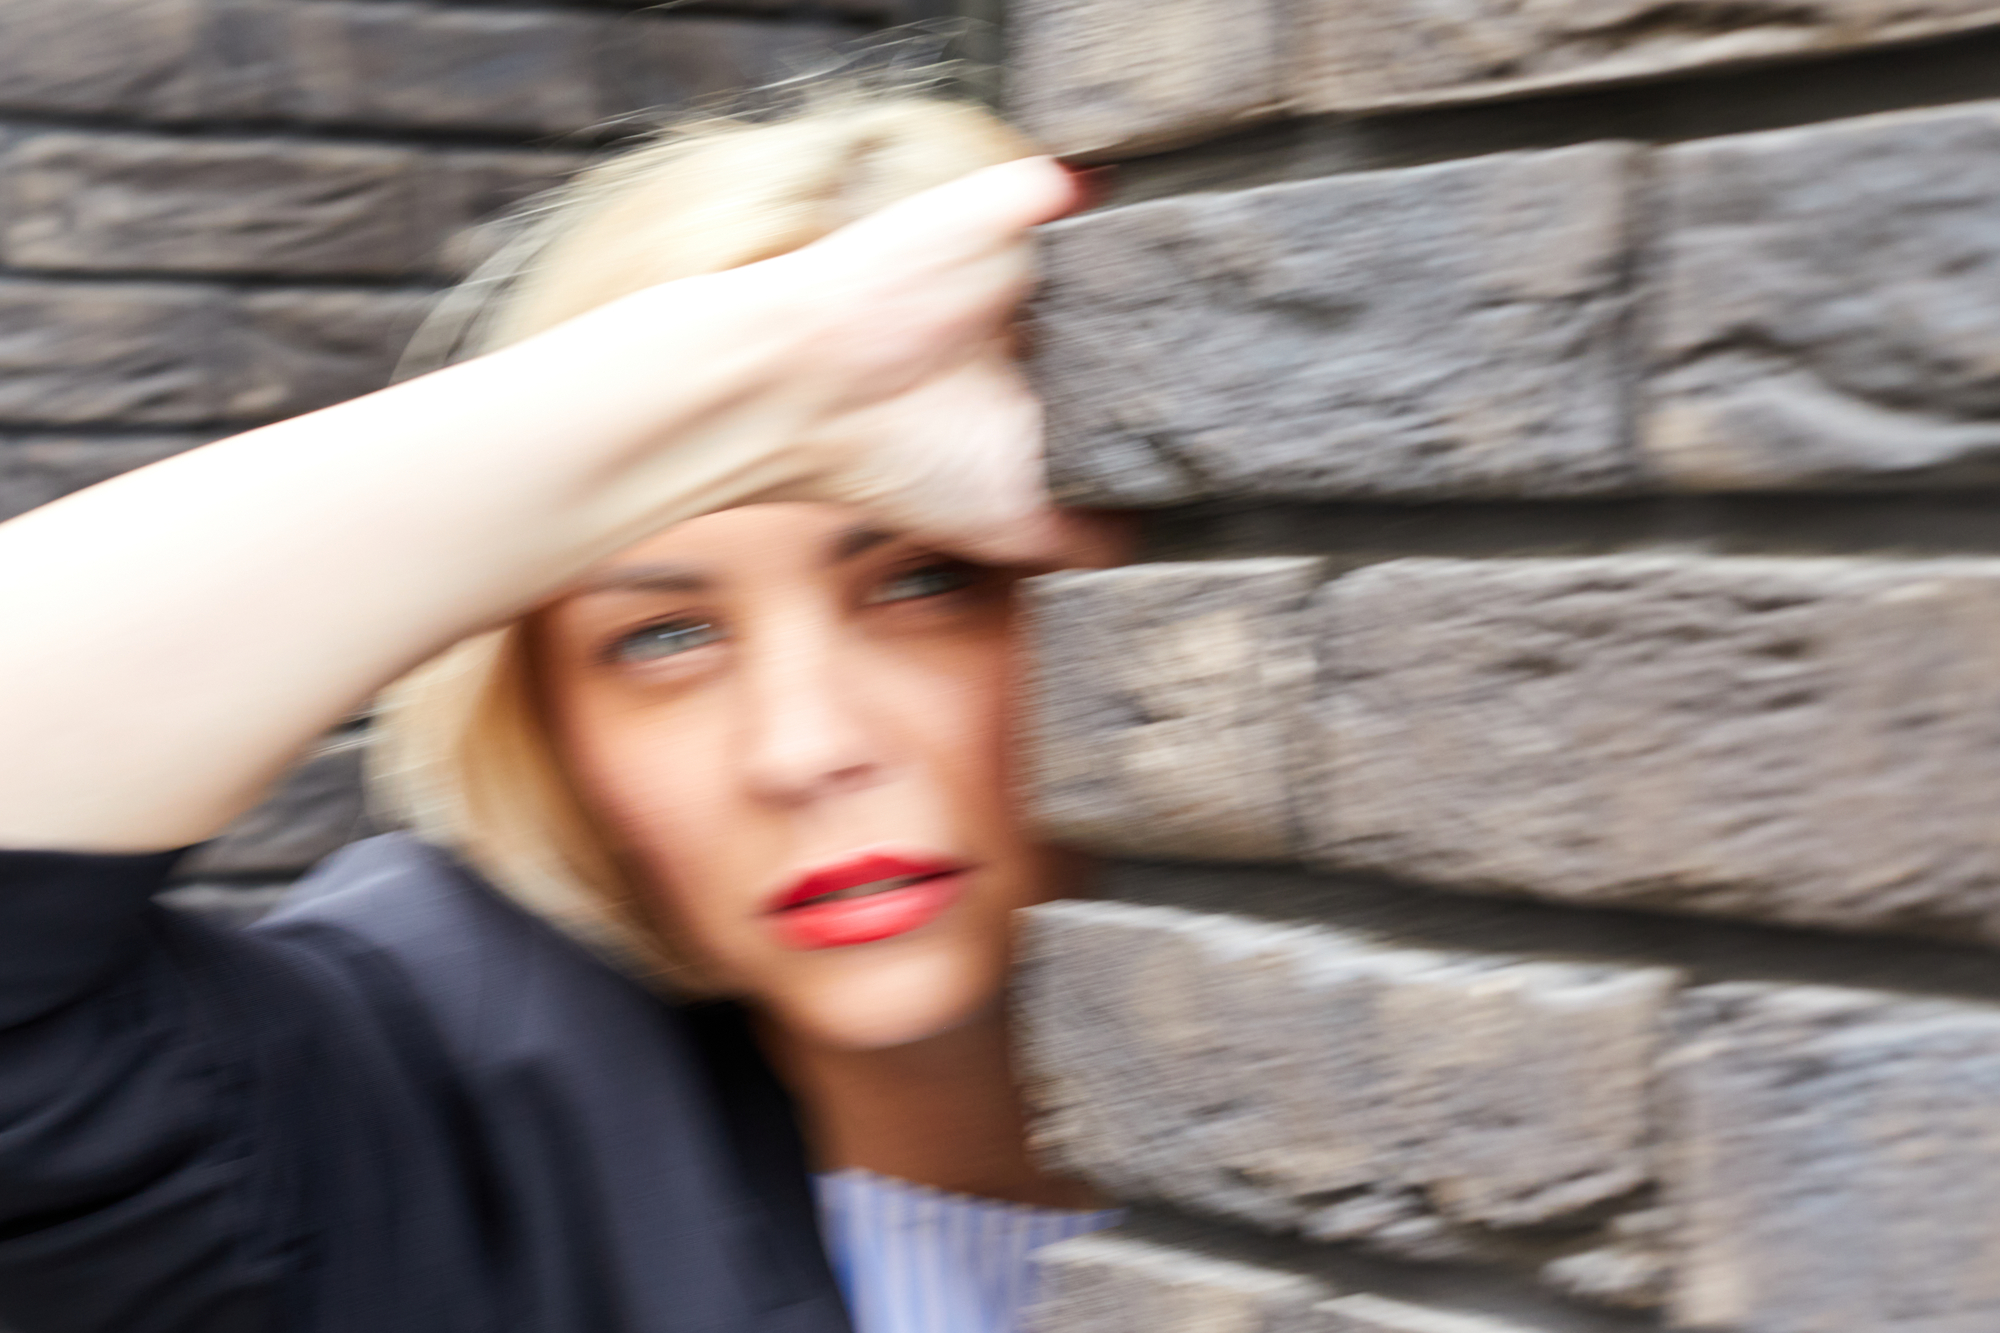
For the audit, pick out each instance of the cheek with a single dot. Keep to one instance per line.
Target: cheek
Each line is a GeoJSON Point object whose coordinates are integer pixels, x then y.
{"type": "Point", "coordinates": [655, 781]}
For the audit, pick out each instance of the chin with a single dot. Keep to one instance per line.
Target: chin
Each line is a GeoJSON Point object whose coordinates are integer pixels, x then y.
{"type": "Point", "coordinates": [878, 1003]}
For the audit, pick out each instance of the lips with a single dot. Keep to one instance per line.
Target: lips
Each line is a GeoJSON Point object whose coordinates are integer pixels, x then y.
{"type": "Point", "coordinates": [870, 896]}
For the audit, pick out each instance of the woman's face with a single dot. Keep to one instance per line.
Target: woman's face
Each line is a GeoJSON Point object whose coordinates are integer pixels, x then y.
{"type": "Point", "coordinates": [797, 728]}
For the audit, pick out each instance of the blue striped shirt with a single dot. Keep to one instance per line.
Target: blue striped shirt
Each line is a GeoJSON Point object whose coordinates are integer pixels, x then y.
{"type": "Point", "coordinates": [911, 1259]}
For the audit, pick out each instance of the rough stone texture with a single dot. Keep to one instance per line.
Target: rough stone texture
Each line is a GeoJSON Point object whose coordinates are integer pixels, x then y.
{"type": "Point", "coordinates": [138, 57]}
{"type": "Point", "coordinates": [76, 353]}
{"type": "Point", "coordinates": [1109, 1283]}
{"type": "Point", "coordinates": [1631, 1270]}
{"type": "Point", "coordinates": [1374, 54]}
{"type": "Point", "coordinates": [1091, 77]}
{"type": "Point", "coordinates": [316, 810]}
{"type": "Point", "coordinates": [37, 469]}
{"type": "Point", "coordinates": [1448, 330]}
{"type": "Point", "coordinates": [501, 70]}
{"type": "Point", "coordinates": [664, 66]}
{"type": "Point", "coordinates": [1319, 1080]}
{"type": "Point", "coordinates": [1165, 702]}
{"type": "Point", "coordinates": [291, 351]}
{"type": "Point", "coordinates": [171, 354]}
{"type": "Point", "coordinates": [1828, 306]}
{"type": "Point", "coordinates": [129, 202]}
{"type": "Point", "coordinates": [1839, 1157]}
{"type": "Point", "coordinates": [1813, 741]}
{"type": "Point", "coordinates": [526, 71]}
{"type": "Point", "coordinates": [1375, 1314]}
{"type": "Point", "coordinates": [123, 203]}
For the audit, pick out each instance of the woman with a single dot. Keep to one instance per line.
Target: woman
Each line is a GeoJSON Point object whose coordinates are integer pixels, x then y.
{"type": "Point", "coordinates": [726, 716]}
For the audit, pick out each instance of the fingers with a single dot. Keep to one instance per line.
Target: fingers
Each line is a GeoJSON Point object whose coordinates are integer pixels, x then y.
{"type": "Point", "coordinates": [988, 209]}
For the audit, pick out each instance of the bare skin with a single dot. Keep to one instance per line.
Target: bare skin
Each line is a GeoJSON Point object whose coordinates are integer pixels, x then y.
{"type": "Point", "coordinates": [944, 1112]}
{"type": "Point", "coordinates": [174, 636]}
{"type": "Point", "coordinates": [761, 692]}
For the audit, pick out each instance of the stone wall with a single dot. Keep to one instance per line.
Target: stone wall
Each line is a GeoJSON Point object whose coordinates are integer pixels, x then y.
{"type": "Point", "coordinates": [220, 213]}
{"type": "Point", "coordinates": [1549, 760]}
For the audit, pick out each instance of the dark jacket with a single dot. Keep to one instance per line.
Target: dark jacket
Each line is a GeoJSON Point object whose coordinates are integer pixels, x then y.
{"type": "Point", "coordinates": [399, 1104]}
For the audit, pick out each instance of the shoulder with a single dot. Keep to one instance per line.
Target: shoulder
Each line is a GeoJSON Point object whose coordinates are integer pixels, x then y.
{"type": "Point", "coordinates": [398, 893]}
{"type": "Point", "coordinates": [409, 924]}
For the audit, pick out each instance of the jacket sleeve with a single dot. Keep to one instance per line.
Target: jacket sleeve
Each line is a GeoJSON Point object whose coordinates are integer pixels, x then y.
{"type": "Point", "coordinates": [130, 1195]}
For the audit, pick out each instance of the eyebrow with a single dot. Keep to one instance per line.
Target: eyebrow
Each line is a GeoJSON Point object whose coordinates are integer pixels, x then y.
{"type": "Point", "coordinates": [647, 578]}
{"type": "Point", "coordinates": [855, 540]}
{"type": "Point", "coordinates": [680, 578]}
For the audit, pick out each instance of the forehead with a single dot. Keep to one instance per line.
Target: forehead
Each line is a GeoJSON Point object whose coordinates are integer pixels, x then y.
{"type": "Point", "coordinates": [745, 544]}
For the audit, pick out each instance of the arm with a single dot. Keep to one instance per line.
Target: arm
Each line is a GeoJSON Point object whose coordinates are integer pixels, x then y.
{"type": "Point", "coordinates": [170, 638]}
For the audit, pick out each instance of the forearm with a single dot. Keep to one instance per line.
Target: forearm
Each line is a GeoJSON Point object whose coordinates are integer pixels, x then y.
{"type": "Point", "coordinates": [170, 639]}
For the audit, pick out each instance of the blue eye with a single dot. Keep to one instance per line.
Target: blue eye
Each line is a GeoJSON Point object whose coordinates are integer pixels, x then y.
{"type": "Point", "coordinates": [924, 581]}
{"type": "Point", "coordinates": [652, 642]}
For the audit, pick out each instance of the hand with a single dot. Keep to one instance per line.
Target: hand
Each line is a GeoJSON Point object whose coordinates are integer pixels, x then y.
{"type": "Point", "coordinates": [928, 420]}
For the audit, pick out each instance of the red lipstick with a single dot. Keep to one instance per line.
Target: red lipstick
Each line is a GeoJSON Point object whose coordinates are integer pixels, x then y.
{"type": "Point", "coordinates": [869, 896]}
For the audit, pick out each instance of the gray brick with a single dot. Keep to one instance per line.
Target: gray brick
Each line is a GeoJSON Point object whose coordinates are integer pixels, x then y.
{"type": "Point", "coordinates": [1448, 330]}
{"type": "Point", "coordinates": [525, 71]}
{"type": "Point", "coordinates": [1837, 1162]}
{"type": "Point", "coordinates": [78, 353]}
{"type": "Point", "coordinates": [37, 469]}
{"type": "Point", "coordinates": [130, 202]}
{"type": "Point", "coordinates": [1811, 741]}
{"type": "Point", "coordinates": [1096, 77]}
{"type": "Point", "coordinates": [120, 57]}
{"type": "Point", "coordinates": [246, 72]}
{"type": "Point", "coordinates": [1829, 306]}
{"type": "Point", "coordinates": [314, 811]}
{"type": "Point", "coordinates": [292, 351]}
{"type": "Point", "coordinates": [1110, 1283]}
{"type": "Point", "coordinates": [670, 65]}
{"type": "Point", "coordinates": [1370, 54]}
{"type": "Point", "coordinates": [1165, 700]}
{"type": "Point", "coordinates": [1327, 1081]}
{"type": "Point", "coordinates": [1375, 1314]}
{"type": "Point", "coordinates": [169, 354]}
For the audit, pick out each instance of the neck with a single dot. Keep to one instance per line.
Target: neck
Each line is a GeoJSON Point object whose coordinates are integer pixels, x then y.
{"type": "Point", "coordinates": [944, 1112]}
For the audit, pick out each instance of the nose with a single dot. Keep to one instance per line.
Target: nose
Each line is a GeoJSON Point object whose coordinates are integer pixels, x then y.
{"type": "Point", "coordinates": [807, 733]}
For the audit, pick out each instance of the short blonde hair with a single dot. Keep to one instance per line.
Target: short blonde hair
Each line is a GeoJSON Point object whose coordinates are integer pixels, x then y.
{"type": "Point", "coordinates": [461, 753]}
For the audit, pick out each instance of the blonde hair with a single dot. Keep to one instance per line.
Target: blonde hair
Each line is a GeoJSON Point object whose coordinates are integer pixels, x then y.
{"type": "Point", "coordinates": [461, 754]}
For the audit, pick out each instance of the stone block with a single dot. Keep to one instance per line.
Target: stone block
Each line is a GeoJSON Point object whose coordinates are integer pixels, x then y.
{"type": "Point", "coordinates": [1098, 78]}
{"type": "Point", "coordinates": [1303, 1078]}
{"type": "Point", "coordinates": [131, 353]}
{"type": "Point", "coordinates": [247, 74]}
{"type": "Point", "coordinates": [1165, 702]}
{"type": "Point", "coordinates": [290, 351]}
{"type": "Point", "coordinates": [654, 65]}
{"type": "Point", "coordinates": [1836, 1161]}
{"type": "Point", "coordinates": [1440, 331]}
{"type": "Point", "coordinates": [1377, 54]}
{"type": "Point", "coordinates": [1111, 1283]}
{"type": "Point", "coordinates": [315, 810]}
{"type": "Point", "coordinates": [1363, 1313]}
{"type": "Point", "coordinates": [1828, 306]}
{"type": "Point", "coordinates": [1812, 741]}
{"type": "Point", "coordinates": [519, 71]}
{"type": "Point", "coordinates": [98, 202]}
{"type": "Point", "coordinates": [103, 57]}
{"type": "Point", "coordinates": [37, 469]}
